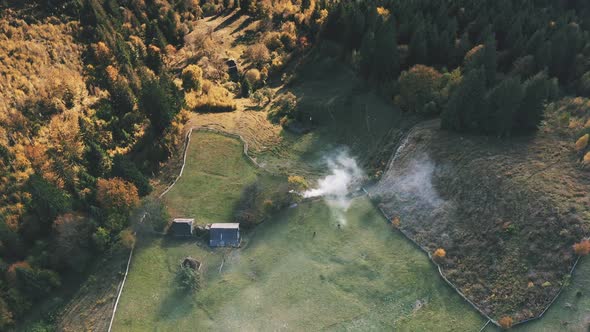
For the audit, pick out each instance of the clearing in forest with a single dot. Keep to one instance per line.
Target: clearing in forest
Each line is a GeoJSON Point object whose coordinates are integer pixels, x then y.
{"type": "Point", "coordinates": [363, 275]}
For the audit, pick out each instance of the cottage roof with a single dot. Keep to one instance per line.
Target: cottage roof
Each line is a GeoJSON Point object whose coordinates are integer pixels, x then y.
{"type": "Point", "coordinates": [225, 226]}
{"type": "Point", "coordinates": [183, 220]}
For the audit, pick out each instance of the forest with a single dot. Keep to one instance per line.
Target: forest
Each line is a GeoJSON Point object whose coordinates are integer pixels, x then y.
{"type": "Point", "coordinates": [79, 143]}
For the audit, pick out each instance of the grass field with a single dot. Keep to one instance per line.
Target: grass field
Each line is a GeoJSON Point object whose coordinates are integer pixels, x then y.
{"type": "Point", "coordinates": [364, 276]}
{"type": "Point", "coordinates": [215, 175]}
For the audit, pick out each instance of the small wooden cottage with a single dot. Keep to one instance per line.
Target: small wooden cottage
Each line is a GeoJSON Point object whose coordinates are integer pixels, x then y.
{"type": "Point", "coordinates": [224, 235]}
{"type": "Point", "coordinates": [182, 227]}
{"type": "Point", "coordinates": [232, 69]}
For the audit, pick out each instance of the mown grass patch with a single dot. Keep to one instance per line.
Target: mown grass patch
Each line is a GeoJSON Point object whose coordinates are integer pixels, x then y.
{"type": "Point", "coordinates": [215, 180]}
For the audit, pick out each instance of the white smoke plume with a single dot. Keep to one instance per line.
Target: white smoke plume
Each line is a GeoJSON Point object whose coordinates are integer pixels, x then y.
{"type": "Point", "coordinates": [345, 177]}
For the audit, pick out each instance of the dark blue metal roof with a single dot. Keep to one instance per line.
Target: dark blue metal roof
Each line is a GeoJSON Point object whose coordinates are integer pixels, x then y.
{"type": "Point", "coordinates": [224, 237]}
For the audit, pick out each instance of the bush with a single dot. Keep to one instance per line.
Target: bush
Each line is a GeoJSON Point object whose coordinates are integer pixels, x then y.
{"type": "Point", "coordinates": [298, 183]}
{"type": "Point", "coordinates": [214, 99]}
{"type": "Point", "coordinates": [188, 279]}
{"type": "Point", "coordinates": [285, 106]}
{"type": "Point", "coordinates": [396, 222]}
{"type": "Point", "coordinates": [253, 77]}
{"type": "Point", "coordinates": [262, 97]}
{"type": "Point", "coordinates": [505, 322]}
{"type": "Point", "coordinates": [582, 248]}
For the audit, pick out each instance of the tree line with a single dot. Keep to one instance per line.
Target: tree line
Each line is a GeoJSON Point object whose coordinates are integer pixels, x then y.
{"type": "Point", "coordinates": [486, 67]}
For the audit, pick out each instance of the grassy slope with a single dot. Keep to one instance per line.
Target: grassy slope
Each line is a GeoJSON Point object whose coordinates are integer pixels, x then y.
{"type": "Point", "coordinates": [213, 179]}
{"type": "Point", "coordinates": [364, 276]}
{"type": "Point", "coordinates": [507, 213]}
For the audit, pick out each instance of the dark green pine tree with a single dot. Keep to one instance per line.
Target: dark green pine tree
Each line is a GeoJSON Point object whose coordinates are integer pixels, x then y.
{"type": "Point", "coordinates": [466, 109]}
{"type": "Point", "coordinates": [385, 66]}
{"type": "Point", "coordinates": [504, 102]}
{"type": "Point", "coordinates": [537, 90]}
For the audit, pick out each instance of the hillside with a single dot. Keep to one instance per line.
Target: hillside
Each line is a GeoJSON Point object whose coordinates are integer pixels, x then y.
{"type": "Point", "coordinates": [479, 107]}
{"type": "Point", "coordinates": [506, 213]}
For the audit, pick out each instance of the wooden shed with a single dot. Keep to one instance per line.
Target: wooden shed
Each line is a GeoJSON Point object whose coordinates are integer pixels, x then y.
{"type": "Point", "coordinates": [182, 227]}
{"type": "Point", "coordinates": [224, 235]}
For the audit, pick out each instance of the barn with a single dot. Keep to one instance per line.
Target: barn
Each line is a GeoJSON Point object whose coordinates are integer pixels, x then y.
{"type": "Point", "coordinates": [224, 235]}
{"type": "Point", "coordinates": [182, 227]}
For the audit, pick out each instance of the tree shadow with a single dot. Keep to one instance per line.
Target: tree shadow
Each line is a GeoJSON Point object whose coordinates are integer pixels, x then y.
{"type": "Point", "coordinates": [177, 304]}
{"type": "Point", "coordinates": [228, 21]}
{"type": "Point", "coordinates": [243, 25]}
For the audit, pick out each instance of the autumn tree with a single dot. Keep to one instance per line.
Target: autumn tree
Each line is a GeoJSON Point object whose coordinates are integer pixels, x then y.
{"type": "Point", "coordinates": [192, 78]}
{"type": "Point", "coordinates": [419, 90]}
{"type": "Point", "coordinates": [116, 195]}
{"type": "Point", "coordinates": [582, 248]}
{"type": "Point", "coordinates": [506, 322]}
{"type": "Point", "coordinates": [439, 255]}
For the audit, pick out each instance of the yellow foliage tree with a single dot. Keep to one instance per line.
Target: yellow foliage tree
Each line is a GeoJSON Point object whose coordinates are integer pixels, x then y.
{"type": "Point", "coordinates": [582, 143]}
{"type": "Point", "coordinates": [297, 182]}
{"type": "Point", "coordinates": [396, 222]}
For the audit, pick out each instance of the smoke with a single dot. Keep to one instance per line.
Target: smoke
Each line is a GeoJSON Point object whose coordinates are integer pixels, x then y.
{"type": "Point", "coordinates": [345, 177]}
{"type": "Point", "coordinates": [414, 182]}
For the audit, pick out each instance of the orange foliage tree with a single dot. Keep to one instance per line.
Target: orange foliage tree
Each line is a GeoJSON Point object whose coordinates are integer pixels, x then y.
{"type": "Point", "coordinates": [582, 248]}
{"type": "Point", "coordinates": [117, 195]}
{"type": "Point", "coordinates": [506, 322]}
{"type": "Point", "coordinates": [439, 255]}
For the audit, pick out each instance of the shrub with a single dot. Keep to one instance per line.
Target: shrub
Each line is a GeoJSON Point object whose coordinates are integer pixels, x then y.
{"type": "Point", "coordinates": [582, 248]}
{"type": "Point", "coordinates": [214, 99]}
{"type": "Point", "coordinates": [582, 143]}
{"type": "Point", "coordinates": [505, 322]}
{"type": "Point", "coordinates": [262, 97]}
{"type": "Point", "coordinates": [101, 238]}
{"type": "Point", "coordinates": [253, 77]}
{"type": "Point", "coordinates": [285, 106]}
{"type": "Point", "coordinates": [192, 77]}
{"type": "Point", "coordinates": [127, 239]}
{"type": "Point", "coordinates": [439, 255]}
{"type": "Point", "coordinates": [297, 182]}
{"type": "Point", "coordinates": [258, 54]}
{"type": "Point", "coordinates": [396, 222]}
{"type": "Point", "coordinates": [188, 279]}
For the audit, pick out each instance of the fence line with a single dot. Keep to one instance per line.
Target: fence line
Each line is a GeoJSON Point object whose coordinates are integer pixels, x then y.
{"type": "Point", "coordinates": [121, 289]}
{"type": "Point", "coordinates": [185, 152]}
